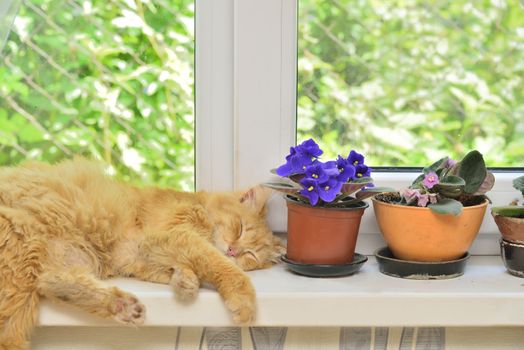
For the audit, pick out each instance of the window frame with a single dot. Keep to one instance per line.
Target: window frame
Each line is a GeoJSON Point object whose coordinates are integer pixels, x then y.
{"type": "Point", "coordinates": [246, 109]}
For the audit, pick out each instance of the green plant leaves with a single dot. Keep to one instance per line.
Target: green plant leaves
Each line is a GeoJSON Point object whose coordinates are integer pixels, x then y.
{"type": "Point", "coordinates": [473, 170]}
{"type": "Point", "coordinates": [451, 186]}
{"type": "Point", "coordinates": [447, 206]}
{"type": "Point", "coordinates": [282, 187]}
{"type": "Point", "coordinates": [509, 211]}
{"type": "Point", "coordinates": [518, 183]}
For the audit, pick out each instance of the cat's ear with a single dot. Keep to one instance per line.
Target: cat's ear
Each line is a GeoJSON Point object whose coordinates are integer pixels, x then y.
{"type": "Point", "coordinates": [255, 198]}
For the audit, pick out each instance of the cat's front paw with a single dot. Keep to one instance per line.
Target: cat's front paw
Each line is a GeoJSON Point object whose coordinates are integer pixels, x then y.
{"type": "Point", "coordinates": [128, 310]}
{"type": "Point", "coordinates": [185, 284]}
{"type": "Point", "coordinates": [243, 308]}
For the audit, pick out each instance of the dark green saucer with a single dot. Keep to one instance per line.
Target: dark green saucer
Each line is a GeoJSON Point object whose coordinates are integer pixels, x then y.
{"type": "Point", "coordinates": [325, 270]}
{"type": "Point", "coordinates": [416, 270]}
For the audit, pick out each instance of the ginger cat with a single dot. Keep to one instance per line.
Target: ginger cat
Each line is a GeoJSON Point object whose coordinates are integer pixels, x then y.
{"type": "Point", "coordinates": [65, 227]}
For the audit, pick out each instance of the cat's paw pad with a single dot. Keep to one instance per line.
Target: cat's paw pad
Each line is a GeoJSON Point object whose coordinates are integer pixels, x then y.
{"type": "Point", "coordinates": [185, 284]}
{"type": "Point", "coordinates": [243, 309]}
{"type": "Point", "coordinates": [128, 310]}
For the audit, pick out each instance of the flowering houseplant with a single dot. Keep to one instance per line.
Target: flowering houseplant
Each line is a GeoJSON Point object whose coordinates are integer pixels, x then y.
{"type": "Point", "coordinates": [510, 218]}
{"type": "Point", "coordinates": [323, 217]}
{"type": "Point", "coordinates": [439, 215]}
{"type": "Point", "coordinates": [447, 186]}
{"type": "Point", "coordinates": [324, 184]}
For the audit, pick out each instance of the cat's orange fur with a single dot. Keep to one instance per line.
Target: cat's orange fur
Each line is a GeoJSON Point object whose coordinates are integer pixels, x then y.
{"type": "Point", "coordinates": [65, 227]}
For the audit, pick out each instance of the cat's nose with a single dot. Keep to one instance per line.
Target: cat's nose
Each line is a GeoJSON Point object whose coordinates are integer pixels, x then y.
{"type": "Point", "coordinates": [231, 252]}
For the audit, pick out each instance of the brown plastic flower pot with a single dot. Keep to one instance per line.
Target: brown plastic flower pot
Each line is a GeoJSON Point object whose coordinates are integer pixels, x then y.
{"type": "Point", "coordinates": [322, 235]}
{"type": "Point", "coordinates": [419, 234]}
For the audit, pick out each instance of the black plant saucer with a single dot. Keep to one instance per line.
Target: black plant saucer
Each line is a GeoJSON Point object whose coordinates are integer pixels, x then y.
{"type": "Point", "coordinates": [325, 270]}
{"type": "Point", "coordinates": [512, 254]}
{"type": "Point", "coordinates": [416, 270]}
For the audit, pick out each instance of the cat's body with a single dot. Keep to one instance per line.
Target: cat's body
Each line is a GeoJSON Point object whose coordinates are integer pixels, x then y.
{"type": "Point", "coordinates": [64, 227]}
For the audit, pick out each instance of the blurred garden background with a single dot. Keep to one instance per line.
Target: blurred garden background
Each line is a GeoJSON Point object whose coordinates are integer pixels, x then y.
{"type": "Point", "coordinates": [409, 81]}
{"type": "Point", "coordinates": [109, 79]}
{"type": "Point", "coordinates": [404, 81]}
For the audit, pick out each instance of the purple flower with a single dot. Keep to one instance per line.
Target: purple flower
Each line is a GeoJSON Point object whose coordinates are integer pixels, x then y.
{"type": "Point", "coordinates": [362, 171]}
{"type": "Point", "coordinates": [299, 158]}
{"type": "Point", "coordinates": [449, 163]}
{"type": "Point", "coordinates": [423, 200]}
{"type": "Point", "coordinates": [310, 149]}
{"type": "Point", "coordinates": [345, 168]}
{"type": "Point", "coordinates": [316, 172]}
{"type": "Point", "coordinates": [433, 199]}
{"type": "Point", "coordinates": [430, 180]}
{"type": "Point", "coordinates": [329, 190]}
{"type": "Point", "coordinates": [410, 195]}
{"type": "Point", "coordinates": [310, 190]}
{"type": "Point", "coordinates": [355, 158]}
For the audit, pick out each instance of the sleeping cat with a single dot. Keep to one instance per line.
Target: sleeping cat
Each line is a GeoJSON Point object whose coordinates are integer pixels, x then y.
{"type": "Point", "coordinates": [65, 227]}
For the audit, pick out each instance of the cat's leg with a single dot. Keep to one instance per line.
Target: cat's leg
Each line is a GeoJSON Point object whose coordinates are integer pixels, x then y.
{"type": "Point", "coordinates": [81, 289]}
{"type": "Point", "coordinates": [19, 268]}
{"type": "Point", "coordinates": [198, 260]}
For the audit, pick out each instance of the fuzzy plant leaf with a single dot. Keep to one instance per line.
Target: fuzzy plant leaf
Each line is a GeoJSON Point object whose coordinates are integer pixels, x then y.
{"type": "Point", "coordinates": [473, 170]}
{"type": "Point", "coordinates": [353, 186]}
{"type": "Point", "coordinates": [433, 167]}
{"type": "Point", "coordinates": [518, 183]}
{"type": "Point", "coordinates": [447, 206]}
{"type": "Point", "coordinates": [487, 185]}
{"type": "Point", "coordinates": [509, 211]}
{"type": "Point", "coordinates": [451, 186]}
{"type": "Point", "coordinates": [282, 187]}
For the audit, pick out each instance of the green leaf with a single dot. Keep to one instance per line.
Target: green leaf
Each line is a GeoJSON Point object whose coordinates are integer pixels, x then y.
{"type": "Point", "coordinates": [282, 187]}
{"type": "Point", "coordinates": [518, 183]}
{"type": "Point", "coordinates": [433, 167]}
{"type": "Point", "coordinates": [509, 211]}
{"type": "Point", "coordinates": [447, 206]}
{"type": "Point", "coordinates": [452, 180]}
{"type": "Point", "coordinates": [473, 171]}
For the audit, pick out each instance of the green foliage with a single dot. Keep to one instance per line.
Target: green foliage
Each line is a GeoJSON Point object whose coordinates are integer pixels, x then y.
{"type": "Point", "coordinates": [408, 81]}
{"type": "Point", "coordinates": [518, 183]}
{"type": "Point", "coordinates": [111, 80]}
{"type": "Point", "coordinates": [447, 206]}
{"type": "Point", "coordinates": [473, 170]}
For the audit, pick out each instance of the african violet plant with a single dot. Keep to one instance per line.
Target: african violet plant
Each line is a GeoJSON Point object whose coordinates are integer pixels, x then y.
{"type": "Point", "coordinates": [516, 207]}
{"type": "Point", "coordinates": [307, 179]}
{"type": "Point", "coordinates": [447, 186]}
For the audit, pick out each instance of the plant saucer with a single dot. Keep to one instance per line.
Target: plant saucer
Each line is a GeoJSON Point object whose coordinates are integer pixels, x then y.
{"type": "Point", "coordinates": [512, 254]}
{"type": "Point", "coordinates": [326, 270]}
{"type": "Point", "coordinates": [416, 270]}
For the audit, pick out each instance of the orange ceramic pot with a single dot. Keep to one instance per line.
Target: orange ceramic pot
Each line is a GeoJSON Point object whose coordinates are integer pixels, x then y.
{"type": "Point", "coordinates": [322, 235]}
{"type": "Point", "coordinates": [419, 234]}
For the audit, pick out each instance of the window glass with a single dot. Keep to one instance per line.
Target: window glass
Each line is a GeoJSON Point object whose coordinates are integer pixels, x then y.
{"type": "Point", "coordinates": [409, 81]}
{"type": "Point", "coordinates": [111, 80]}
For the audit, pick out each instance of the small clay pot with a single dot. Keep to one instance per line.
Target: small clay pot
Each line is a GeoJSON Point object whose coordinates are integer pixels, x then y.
{"type": "Point", "coordinates": [512, 229]}
{"type": "Point", "coordinates": [419, 234]}
{"type": "Point", "coordinates": [513, 257]}
{"type": "Point", "coordinates": [319, 235]}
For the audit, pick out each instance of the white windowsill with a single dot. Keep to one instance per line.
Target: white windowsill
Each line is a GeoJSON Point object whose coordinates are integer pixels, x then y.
{"type": "Point", "coordinates": [485, 296]}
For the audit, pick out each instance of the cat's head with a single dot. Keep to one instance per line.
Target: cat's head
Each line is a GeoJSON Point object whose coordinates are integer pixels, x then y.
{"type": "Point", "coordinates": [241, 229]}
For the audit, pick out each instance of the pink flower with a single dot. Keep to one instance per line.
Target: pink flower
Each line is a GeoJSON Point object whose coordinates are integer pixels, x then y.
{"type": "Point", "coordinates": [411, 195]}
{"type": "Point", "coordinates": [423, 200]}
{"type": "Point", "coordinates": [430, 180]}
{"type": "Point", "coordinates": [450, 163]}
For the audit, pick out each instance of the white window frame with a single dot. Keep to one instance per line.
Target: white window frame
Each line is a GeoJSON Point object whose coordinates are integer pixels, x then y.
{"type": "Point", "coordinates": [246, 108]}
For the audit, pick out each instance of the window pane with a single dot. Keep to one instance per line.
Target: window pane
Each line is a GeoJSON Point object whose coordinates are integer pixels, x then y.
{"type": "Point", "coordinates": [409, 81]}
{"type": "Point", "coordinates": [111, 80]}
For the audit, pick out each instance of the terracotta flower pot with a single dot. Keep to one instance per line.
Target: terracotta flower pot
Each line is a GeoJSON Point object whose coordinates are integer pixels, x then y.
{"type": "Point", "coordinates": [419, 234]}
{"type": "Point", "coordinates": [512, 229]}
{"type": "Point", "coordinates": [322, 235]}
